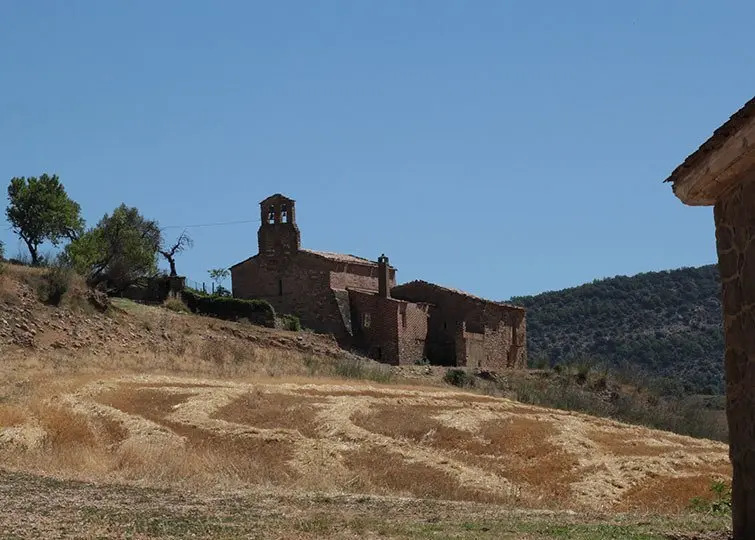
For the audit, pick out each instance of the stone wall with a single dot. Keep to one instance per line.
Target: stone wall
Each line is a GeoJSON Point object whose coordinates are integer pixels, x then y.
{"type": "Point", "coordinates": [457, 316]}
{"type": "Point", "coordinates": [297, 285]}
{"type": "Point", "coordinates": [375, 323]}
{"type": "Point", "coordinates": [735, 240]}
{"type": "Point", "coordinates": [412, 331]}
{"type": "Point", "coordinates": [357, 276]}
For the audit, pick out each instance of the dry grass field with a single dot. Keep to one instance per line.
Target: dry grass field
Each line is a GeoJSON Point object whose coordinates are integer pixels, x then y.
{"type": "Point", "coordinates": [145, 423]}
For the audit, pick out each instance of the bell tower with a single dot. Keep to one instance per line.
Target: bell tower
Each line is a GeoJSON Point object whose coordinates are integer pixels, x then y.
{"type": "Point", "coordinates": [278, 233]}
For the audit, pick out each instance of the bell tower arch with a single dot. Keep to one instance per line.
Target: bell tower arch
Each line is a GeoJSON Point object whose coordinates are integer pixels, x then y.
{"type": "Point", "coordinates": [278, 233]}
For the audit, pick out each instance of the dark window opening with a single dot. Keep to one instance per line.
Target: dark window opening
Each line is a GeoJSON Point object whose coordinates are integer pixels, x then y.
{"type": "Point", "coordinates": [379, 353]}
{"type": "Point", "coordinates": [284, 214]}
{"type": "Point", "coordinates": [271, 215]}
{"type": "Point", "coordinates": [280, 287]}
{"type": "Point", "coordinates": [445, 325]}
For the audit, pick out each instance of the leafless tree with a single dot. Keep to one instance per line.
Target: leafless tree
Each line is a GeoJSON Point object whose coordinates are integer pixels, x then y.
{"type": "Point", "coordinates": [182, 243]}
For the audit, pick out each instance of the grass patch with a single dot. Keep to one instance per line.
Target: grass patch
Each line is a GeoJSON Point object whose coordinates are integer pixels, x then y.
{"type": "Point", "coordinates": [718, 501]}
{"type": "Point", "coordinates": [357, 368]}
{"type": "Point", "coordinates": [596, 393]}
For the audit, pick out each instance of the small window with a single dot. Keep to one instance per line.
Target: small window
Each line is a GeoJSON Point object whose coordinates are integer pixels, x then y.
{"type": "Point", "coordinates": [271, 215]}
{"type": "Point", "coordinates": [403, 319]}
{"type": "Point", "coordinates": [366, 320]}
{"type": "Point", "coordinates": [284, 214]}
{"type": "Point", "coordinates": [280, 287]}
{"type": "Point", "coordinates": [445, 325]}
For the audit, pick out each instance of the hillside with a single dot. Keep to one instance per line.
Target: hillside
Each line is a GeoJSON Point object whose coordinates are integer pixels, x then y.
{"type": "Point", "coordinates": [230, 416]}
{"type": "Point", "coordinates": [663, 324]}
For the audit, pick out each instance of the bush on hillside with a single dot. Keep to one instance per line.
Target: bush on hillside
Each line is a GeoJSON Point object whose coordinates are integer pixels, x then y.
{"type": "Point", "coordinates": [257, 312]}
{"type": "Point", "coordinates": [54, 285]}
{"type": "Point", "coordinates": [175, 304]}
{"type": "Point", "coordinates": [458, 377]}
{"type": "Point", "coordinates": [290, 322]}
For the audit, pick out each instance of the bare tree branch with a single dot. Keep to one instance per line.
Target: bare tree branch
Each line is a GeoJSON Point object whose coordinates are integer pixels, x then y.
{"type": "Point", "coordinates": [182, 243]}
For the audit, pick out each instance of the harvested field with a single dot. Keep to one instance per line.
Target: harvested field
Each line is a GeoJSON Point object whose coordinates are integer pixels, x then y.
{"type": "Point", "coordinates": [360, 438]}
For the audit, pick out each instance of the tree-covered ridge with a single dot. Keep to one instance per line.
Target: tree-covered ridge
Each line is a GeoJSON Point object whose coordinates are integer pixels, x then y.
{"type": "Point", "coordinates": [665, 324]}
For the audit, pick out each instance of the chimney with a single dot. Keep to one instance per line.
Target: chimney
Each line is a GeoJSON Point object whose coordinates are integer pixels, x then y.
{"type": "Point", "coordinates": [383, 277]}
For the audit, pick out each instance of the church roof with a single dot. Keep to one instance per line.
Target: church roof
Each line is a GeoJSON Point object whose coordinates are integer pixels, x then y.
{"type": "Point", "coordinates": [277, 196]}
{"type": "Point", "coordinates": [341, 257]}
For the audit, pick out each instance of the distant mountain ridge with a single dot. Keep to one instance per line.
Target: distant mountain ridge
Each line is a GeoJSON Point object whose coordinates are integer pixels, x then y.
{"type": "Point", "coordinates": [667, 324]}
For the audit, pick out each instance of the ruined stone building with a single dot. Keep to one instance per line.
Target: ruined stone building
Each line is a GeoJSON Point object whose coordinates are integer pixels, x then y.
{"type": "Point", "coordinates": [357, 300]}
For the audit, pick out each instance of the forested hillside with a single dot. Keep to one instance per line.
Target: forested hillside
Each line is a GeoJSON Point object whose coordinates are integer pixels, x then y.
{"type": "Point", "coordinates": [664, 324]}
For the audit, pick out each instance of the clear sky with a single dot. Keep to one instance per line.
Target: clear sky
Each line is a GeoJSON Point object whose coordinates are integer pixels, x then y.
{"type": "Point", "coordinates": [501, 147]}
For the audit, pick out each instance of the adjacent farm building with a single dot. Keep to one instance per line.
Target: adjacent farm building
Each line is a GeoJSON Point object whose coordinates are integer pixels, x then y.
{"type": "Point", "coordinates": [358, 301]}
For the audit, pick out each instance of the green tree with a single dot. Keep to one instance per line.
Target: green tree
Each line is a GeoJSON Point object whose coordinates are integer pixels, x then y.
{"type": "Point", "coordinates": [40, 210]}
{"type": "Point", "coordinates": [120, 251]}
{"type": "Point", "coordinates": [219, 275]}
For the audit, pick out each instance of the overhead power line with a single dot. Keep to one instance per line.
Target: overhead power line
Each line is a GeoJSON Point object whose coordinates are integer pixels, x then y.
{"type": "Point", "coordinates": [211, 224]}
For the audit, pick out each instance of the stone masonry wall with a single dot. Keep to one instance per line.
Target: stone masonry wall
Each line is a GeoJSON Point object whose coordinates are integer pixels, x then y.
{"type": "Point", "coordinates": [735, 240]}
{"type": "Point", "coordinates": [412, 331]}
{"type": "Point", "coordinates": [357, 276]}
{"type": "Point", "coordinates": [502, 327]}
{"type": "Point", "coordinates": [295, 285]}
{"type": "Point", "coordinates": [375, 323]}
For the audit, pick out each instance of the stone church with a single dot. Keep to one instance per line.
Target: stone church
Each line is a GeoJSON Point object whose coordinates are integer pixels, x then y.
{"type": "Point", "coordinates": [358, 301]}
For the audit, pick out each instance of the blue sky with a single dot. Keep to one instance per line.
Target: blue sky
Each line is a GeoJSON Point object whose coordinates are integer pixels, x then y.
{"type": "Point", "coordinates": [505, 148]}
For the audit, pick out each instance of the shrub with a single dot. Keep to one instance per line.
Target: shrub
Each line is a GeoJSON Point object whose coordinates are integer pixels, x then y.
{"type": "Point", "coordinates": [719, 502]}
{"type": "Point", "coordinates": [290, 322]}
{"type": "Point", "coordinates": [55, 284]}
{"type": "Point", "coordinates": [175, 304]}
{"type": "Point", "coordinates": [458, 377]}
{"type": "Point", "coordinates": [257, 311]}
{"type": "Point", "coordinates": [583, 371]}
